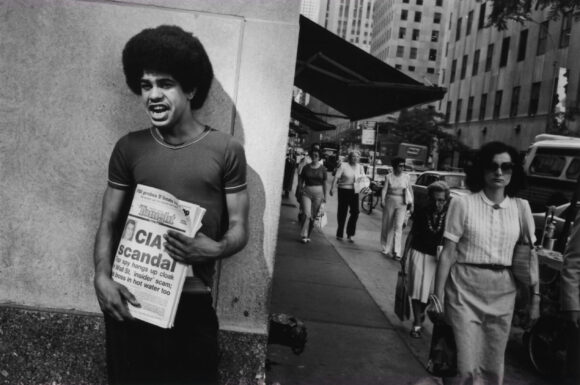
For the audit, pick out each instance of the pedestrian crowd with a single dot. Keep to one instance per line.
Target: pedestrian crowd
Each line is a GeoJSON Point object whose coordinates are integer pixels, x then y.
{"type": "Point", "coordinates": [458, 258]}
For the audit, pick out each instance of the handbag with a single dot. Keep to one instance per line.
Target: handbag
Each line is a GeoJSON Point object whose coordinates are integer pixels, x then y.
{"type": "Point", "coordinates": [443, 352]}
{"type": "Point", "coordinates": [525, 258]}
{"type": "Point", "coordinates": [360, 183]}
{"type": "Point", "coordinates": [402, 300]}
{"type": "Point", "coordinates": [408, 196]}
{"type": "Point", "coordinates": [321, 218]}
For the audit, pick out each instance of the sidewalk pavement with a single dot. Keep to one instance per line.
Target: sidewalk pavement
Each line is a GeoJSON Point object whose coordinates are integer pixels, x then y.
{"type": "Point", "coordinates": [350, 340]}
{"type": "Point", "coordinates": [344, 292]}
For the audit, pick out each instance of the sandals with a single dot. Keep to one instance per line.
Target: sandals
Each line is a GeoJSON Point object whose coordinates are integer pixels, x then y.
{"type": "Point", "coordinates": [416, 332]}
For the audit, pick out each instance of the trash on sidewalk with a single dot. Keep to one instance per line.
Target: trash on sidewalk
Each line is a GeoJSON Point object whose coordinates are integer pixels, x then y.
{"type": "Point", "coordinates": [287, 330]}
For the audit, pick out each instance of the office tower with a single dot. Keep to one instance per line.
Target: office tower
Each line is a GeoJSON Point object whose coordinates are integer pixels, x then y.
{"type": "Point", "coordinates": [506, 85]}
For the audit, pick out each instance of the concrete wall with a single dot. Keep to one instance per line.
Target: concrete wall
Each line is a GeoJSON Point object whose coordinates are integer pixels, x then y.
{"type": "Point", "coordinates": [63, 105]}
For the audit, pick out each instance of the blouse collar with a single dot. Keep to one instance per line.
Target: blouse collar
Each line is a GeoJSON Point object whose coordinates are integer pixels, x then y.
{"type": "Point", "coordinates": [504, 204]}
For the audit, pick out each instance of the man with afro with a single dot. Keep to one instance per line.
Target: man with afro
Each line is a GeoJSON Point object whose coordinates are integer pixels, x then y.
{"type": "Point", "coordinates": [171, 72]}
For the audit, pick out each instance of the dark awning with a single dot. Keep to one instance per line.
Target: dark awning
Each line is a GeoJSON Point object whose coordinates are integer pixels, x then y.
{"type": "Point", "coordinates": [350, 80]}
{"type": "Point", "coordinates": [307, 117]}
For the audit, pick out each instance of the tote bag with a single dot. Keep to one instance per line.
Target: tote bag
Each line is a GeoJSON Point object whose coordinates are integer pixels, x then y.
{"type": "Point", "coordinates": [402, 300]}
{"type": "Point", "coordinates": [525, 258]}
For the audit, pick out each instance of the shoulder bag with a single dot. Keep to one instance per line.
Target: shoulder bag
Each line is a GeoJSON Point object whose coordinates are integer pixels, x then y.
{"type": "Point", "coordinates": [360, 180]}
{"type": "Point", "coordinates": [525, 258]}
{"type": "Point", "coordinates": [402, 300]}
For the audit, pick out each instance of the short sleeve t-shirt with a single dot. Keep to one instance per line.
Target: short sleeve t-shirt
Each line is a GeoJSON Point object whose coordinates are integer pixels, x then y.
{"type": "Point", "coordinates": [314, 176]}
{"type": "Point", "coordinates": [201, 171]}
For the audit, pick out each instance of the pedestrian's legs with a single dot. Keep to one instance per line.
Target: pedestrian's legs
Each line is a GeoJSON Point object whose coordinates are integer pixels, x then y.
{"type": "Point", "coordinates": [342, 211]}
{"type": "Point", "coordinates": [387, 221]}
{"type": "Point", "coordinates": [354, 211]}
{"type": "Point", "coordinates": [316, 203]}
{"type": "Point", "coordinates": [399, 219]}
{"type": "Point", "coordinates": [306, 215]}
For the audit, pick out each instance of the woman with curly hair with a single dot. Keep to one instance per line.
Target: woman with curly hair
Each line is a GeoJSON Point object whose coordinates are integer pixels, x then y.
{"type": "Point", "coordinates": [473, 277]}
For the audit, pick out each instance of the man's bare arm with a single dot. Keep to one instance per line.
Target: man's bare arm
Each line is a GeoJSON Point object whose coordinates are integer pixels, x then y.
{"type": "Point", "coordinates": [202, 248]}
{"type": "Point", "coordinates": [112, 296]}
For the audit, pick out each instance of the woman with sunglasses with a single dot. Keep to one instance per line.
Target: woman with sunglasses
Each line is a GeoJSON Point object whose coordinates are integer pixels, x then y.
{"type": "Point", "coordinates": [312, 188]}
{"type": "Point", "coordinates": [397, 196]}
{"type": "Point", "coordinates": [473, 277]}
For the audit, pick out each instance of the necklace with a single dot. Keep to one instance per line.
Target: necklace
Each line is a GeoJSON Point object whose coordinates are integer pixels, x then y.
{"type": "Point", "coordinates": [435, 221]}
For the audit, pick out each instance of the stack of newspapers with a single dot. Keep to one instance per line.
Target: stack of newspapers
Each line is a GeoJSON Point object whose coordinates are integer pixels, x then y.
{"type": "Point", "coordinates": [141, 262]}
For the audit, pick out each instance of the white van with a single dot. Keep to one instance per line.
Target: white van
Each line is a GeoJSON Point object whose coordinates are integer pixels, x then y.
{"type": "Point", "coordinates": [552, 166]}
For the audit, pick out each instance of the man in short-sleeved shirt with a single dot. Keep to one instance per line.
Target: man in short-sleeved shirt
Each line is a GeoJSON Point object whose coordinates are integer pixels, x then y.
{"type": "Point", "coordinates": [170, 70]}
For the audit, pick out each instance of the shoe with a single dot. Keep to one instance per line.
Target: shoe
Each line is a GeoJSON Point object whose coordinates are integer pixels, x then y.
{"type": "Point", "coordinates": [396, 257]}
{"type": "Point", "coordinates": [307, 240]}
{"type": "Point", "coordinates": [416, 332]}
{"type": "Point", "coordinates": [338, 238]}
{"type": "Point", "coordinates": [386, 253]}
{"type": "Point", "coordinates": [304, 240]}
{"type": "Point", "coordinates": [350, 240]}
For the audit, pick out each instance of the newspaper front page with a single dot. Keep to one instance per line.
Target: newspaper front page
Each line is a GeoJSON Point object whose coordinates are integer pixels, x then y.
{"type": "Point", "coordinates": [141, 262]}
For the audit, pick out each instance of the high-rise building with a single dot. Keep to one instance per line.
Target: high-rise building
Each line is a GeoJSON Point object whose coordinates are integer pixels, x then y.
{"type": "Point", "coordinates": [507, 85]}
{"type": "Point", "coordinates": [409, 35]}
{"type": "Point", "coordinates": [350, 19]}
{"type": "Point", "coordinates": [311, 9]}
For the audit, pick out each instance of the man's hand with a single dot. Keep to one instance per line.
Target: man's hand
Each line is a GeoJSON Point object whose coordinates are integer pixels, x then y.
{"type": "Point", "coordinates": [113, 298]}
{"type": "Point", "coordinates": [574, 316]}
{"type": "Point", "coordinates": [331, 192]}
{"type": "Point", "coordinates": [188, 250]}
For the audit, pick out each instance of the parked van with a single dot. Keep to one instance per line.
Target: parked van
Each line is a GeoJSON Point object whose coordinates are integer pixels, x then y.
{"type": "Point", "coordinates": [552, 165]}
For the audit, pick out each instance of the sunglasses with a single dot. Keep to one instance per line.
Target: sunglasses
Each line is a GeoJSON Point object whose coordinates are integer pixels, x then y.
{"type": "Point", "coordinates": [506, 167]}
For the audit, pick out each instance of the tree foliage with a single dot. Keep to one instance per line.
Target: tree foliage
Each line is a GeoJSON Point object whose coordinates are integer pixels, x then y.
{"type": "Point", "coordinates": [520, 11]}
{"type": "Point", "coordinates": [420, 126]}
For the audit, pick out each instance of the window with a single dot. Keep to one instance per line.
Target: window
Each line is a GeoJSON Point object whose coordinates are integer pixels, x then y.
{"type": "Point", "coordinates": [515, 101]}
{"type": "Point", "coordinates": [406, 1]}
{"type": "Point", "coordinates": [534, 99]}
{"type": "Point", "coordinates": [566, 29]}
{"type": "Point", "coordinates": [458, 30]}
{"type": "Point", "coordinates": [404, 14]}
{"type": "Point", "coordinates": [415, 34]}
{"type": "Point", "coordinates": [434, 36]}
{"type": "Point", "coordinates": [475, 63]}
{"type": "Point", "coordinates": [458, 110]}
{"type": "Point", "coordinates": [412, 68]}
{"type": "Point", "coordinates": [481, 22]}
{"type": "Point", "coordinates": [542, 38]}
{"type": "Point", "coordinates": [463, 67]}
{"type": "Point", "coordinates": [482, 106]}
{"type": "Point", "coordinates": [446, 49]}
{"type": "Point", "coordinates": [469, 109]}
{"type": "Point", "coordinates": [430, 70]}
{"type": "Point", "coordinates": [400, 51]}
{"type": "Point", "coordinates": [419, 2]}
{"type": "Point", "coordinates": [453, 68]}
{"type": "Point", "coordinates": [398, 66]}
{"type": "Point", "coordinates": [432, 54]}
{"type": "Point", "coordinates": [489, 57]}
{"type": "Point", "coordinates": [522, 45]}
{"type": "Point", "coordinates": [437, 18]}
{"type": "Point", "coordinates": [439, 3]}
{"type": "Point", "coordinates": [402, 32]}
{"type": "Point", "coordinates": [505, 49]}
{"type": "Point", "coordinates": [413, 53]}
{"type": "Point", "coordinates": [448, 112]}
{"type": "Point", "coordinates": [417, 17]}
{"type": "Point", "coordinates": [547, 165]}
{"type": "Point", "coordinates": [497, 104]}
{"type": "Point", "coordinates": [469, 23]}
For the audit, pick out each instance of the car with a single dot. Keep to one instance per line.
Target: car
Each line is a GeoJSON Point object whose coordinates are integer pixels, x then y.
{"type": "Point", "coordinates": [413, 175]}
{"type": "Point", "coordinates": [381, 172]}
{"type": "Point", "coordinates": [455, 181]}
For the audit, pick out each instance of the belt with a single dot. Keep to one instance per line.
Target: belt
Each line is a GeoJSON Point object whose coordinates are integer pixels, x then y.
{"type": "Point", "coordinates": [490, 266]}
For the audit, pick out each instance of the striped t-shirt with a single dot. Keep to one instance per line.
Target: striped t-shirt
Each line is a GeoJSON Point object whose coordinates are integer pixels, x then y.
{"type": "Point", "coordinates": [484, 234]}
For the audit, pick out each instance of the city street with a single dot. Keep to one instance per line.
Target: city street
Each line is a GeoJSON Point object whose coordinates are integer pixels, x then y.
{"type": "Point", "coordinates": [382, 343]}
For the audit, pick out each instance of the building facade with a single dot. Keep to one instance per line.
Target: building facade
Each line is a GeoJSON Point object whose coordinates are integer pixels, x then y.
{"type": "Point", "coordinates": [507, 85]}
{"type": "Point", "coordinates": [352, 20]}
{"type": "Point", "coordinates": [409, 35]}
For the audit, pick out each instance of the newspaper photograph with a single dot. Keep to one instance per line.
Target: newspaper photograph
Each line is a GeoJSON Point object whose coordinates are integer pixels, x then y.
{"type": "Point", "coordinates": [141, 262]}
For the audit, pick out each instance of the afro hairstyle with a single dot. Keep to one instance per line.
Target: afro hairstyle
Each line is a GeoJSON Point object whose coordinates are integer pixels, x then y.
{"type": "Point", "coordinates": [169, 49]}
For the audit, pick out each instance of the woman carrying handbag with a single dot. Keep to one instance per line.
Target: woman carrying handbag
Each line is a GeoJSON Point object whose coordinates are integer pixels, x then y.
{"type": "Point", "coordinates": [474, 281]}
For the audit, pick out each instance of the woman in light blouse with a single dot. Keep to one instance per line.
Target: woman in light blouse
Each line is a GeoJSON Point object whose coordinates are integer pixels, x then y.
{"type": "Point", "coordinates": [394, 195]}
{"type": "Point", "coordinates": [473, 276]}
{"type": "Point", "coordinates": [346, 176]}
